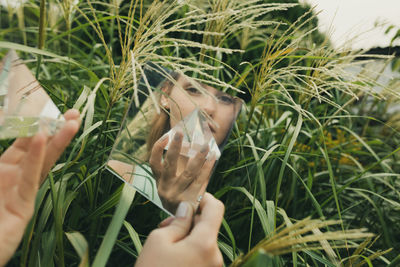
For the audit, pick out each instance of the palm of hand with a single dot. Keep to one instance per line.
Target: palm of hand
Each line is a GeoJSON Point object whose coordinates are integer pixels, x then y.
{"type": "Point", "coordinates": [174, 186]}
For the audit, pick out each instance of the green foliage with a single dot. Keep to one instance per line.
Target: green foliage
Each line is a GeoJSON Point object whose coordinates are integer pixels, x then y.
{"type": "Point", "coordinates": [311, 140]}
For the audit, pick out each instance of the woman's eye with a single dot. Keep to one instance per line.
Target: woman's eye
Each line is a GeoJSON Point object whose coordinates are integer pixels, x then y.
{"type": "Point", "coordinates": [225, 99]}
{"type": "Point", "coordinates": [193, 90]}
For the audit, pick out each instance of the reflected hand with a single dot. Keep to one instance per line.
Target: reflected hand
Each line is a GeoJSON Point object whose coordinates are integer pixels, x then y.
{"type": "Point", "coordinates": [22, 166]}
{"type": "Point", "coordinates": [174, 187]}
{"type": "Point", "coordinates": [176, 244]}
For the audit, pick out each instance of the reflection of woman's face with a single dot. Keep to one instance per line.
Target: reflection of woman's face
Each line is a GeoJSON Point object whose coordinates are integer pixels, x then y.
{"type": "Point", "coordinates": [218, 105]}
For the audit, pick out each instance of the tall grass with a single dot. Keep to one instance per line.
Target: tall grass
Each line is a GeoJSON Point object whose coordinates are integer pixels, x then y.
{"type": "Point", "coordinates": [312, 141]}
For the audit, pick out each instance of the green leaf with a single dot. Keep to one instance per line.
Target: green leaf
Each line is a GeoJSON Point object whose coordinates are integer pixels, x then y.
{"type": "Point", "coordinates": [32, 50]}
{"type": "Point", "coordinates": [257, 205]}
{"type": "Point", "coordinates": [318, 258]}
{"type": "Point", "coordinates": [134, 236]}
{"type": "Point", "coordinates": [286, 158]}
{"type": "Point", "coordinates": [225, 225]}
{"type": "Point", "coordinates": [81, 247]}
{"type": "Point", "coordinates": [262, 259]}
{"type": "Point", "coordinates": [102, 255]}
{"type": "Point", "coordinates": [226, 249]}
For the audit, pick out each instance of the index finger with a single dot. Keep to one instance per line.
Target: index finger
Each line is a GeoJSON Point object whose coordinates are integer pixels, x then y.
{"type": "Point", "coordinates": [171, 157]}
{"type": "Point", "coordinates": [61, 140]}
{"type": "Point", "coordinates": [192, 170]}
{"type": "Point", "coordinates": [31, 167]}
{"type": "Point", "coordinates": [156, 155]}
{"type": "Point", "coordinates": [210, 218]}
{"type": "Point", "coordinates": [199, 184]}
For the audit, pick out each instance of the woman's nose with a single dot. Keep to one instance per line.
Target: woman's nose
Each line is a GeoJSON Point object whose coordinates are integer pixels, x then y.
{"type": "Point", "coordinates": [210, 105]}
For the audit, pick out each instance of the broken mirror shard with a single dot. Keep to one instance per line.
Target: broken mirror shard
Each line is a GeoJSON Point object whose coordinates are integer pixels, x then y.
{"type": "Point", "coordinates": [196, 133]}
{"type": "Point", "coordinates": [25, 107]}
{"type": "Point", "coordinates": [133, 151]}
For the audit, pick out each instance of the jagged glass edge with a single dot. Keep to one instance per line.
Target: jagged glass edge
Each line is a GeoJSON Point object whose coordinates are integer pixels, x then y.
{"type": "Point", "coordinates": [139, 190]}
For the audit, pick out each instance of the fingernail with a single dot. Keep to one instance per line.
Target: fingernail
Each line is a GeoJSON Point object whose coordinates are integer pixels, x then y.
{"type": "Point", "coordinates": [182, 210]}
{"type": "Point", "coordinates": [165, 222]}
{"type": "Point", "coordinates": [177, 136]}
{"type": "Point", "coordinates": [204, 148]}
{"type": "Point", "coordinates": [164, 137]}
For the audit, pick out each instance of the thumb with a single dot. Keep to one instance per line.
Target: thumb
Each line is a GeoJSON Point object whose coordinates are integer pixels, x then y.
{"type": "Point", "coordinates": [181, 225]}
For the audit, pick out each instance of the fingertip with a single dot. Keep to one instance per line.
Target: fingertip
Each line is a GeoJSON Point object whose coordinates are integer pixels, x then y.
{"type": "Point", "coordinates": [218, 205]}
{"type": "Point", "coordinates": [72, 114]}
{"type": "Point", "coordinates": [178, 136]}
{"type": "Point", "coordinates": [175, 144]}
{"type": "Point", "coordinates": [72, 126]}
{"type": "Point", "coordinates": [160, 143]}
{"type": "Point", "coordinates": [164, 139]}
{"type": "Point", "coordinates": [204, 149]}
{"type": "Point", "coordinates": [179, 227]}
{"type": "Point", "coordinates": [208, 199]}
{"type": "Point", "coordinates": [73, 121]}
{"type": "Point", "coordinates": [166, 222]}
{"type": "Point", "coordinates": [207, 196]}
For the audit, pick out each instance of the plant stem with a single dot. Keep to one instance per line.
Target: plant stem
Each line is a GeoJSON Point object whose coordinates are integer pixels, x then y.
{"type": "Point", "coordinates": [69, 45]}
{"type": "Point", "coordinates": [94, 224]}
{"type": "Point", "coordinates": [57, 212]}
{"type": "Point", "coordinates": [42, 32]}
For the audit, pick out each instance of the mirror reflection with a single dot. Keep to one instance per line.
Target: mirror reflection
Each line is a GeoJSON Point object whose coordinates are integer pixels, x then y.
{"type": "Point", "coordinates": [169, 156]}
{"type": "Point", "coordinates": [25, 107]}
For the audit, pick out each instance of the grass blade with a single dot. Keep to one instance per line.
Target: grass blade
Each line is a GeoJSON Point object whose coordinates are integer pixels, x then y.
{"type": "Point", "coordinates": [113, 229]}
{"type": "Point", "coordinates": [81, 247]}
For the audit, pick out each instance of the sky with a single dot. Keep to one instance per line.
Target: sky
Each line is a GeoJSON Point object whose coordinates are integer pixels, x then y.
{"type": "Point", "coordinates": [345, 19]}
{"type": "Point", "coordinates": [12, 3]}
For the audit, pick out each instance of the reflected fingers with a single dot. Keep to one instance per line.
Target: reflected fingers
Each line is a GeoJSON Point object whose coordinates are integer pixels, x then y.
{"type": "Point", "coordinates": [72, 114]}
{"type": "Point", "coordinates": [172, 156]}
{"type": "Point", "coordinates": [156, 156]}
{"type": "Point", "coordinates": [198, 186]}
{"type": "Point", "coordinates": [193, 169]}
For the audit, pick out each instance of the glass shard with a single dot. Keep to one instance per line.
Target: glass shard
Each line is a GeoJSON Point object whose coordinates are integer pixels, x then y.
{"type": "Point", "coordinates": [133, 158]}
{"type": "Point", "coordinates": [25, 107]}
{"type": "Point", "coordinates": [196, 134]}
